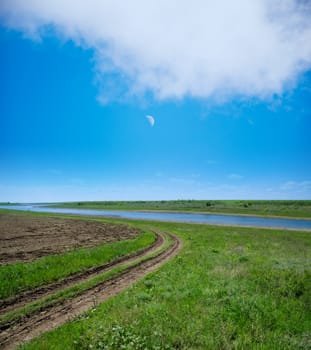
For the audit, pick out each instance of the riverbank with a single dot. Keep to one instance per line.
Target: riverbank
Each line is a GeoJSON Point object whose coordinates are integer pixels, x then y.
{"type": "Point", "coordinates": [211, 219]}
{"type": "Point", "coordinates": [300, 209]}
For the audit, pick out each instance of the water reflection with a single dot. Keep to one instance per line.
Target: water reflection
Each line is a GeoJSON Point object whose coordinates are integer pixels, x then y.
{"type": "Point", "coordinates": [216, 219]}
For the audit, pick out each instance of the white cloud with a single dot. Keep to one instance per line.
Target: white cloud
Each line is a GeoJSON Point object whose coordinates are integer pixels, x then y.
{"type": "Point", "coordinates": [296, 186]}
{"type": "Point", "coordinates": [173, 49]}
{"type": "Point", "coordinates": [235, 177]}
{"type": "Point", "coordinates": [171, 188]}
{"type": "Point", "coordinates": [182, 181]}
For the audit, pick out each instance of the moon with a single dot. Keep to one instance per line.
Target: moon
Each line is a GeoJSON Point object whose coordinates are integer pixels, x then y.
{"type": "Point", "coordinates": [150, 119]}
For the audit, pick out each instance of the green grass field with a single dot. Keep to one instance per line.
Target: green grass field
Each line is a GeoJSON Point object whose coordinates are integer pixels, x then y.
{"type": "Point", "coordinates": [293, 208]}
{"type": "Point", "coordinates": [229, 288]}
{"type": "Point", "coordinates": [19, 277]}
{"type": "Point", "coordinates": [73, 291]}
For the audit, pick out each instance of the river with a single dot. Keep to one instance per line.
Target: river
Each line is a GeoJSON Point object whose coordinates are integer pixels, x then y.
{"type": "Point", "coordinates": [212, 219]}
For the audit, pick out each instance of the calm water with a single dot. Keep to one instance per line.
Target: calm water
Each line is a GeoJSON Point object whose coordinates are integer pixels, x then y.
{"type": "Point", "coordinates": [176, 217]}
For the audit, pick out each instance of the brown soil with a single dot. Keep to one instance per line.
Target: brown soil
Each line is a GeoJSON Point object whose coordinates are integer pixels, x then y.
{"type": "Point", "coordinates": [50, 318]}
{"type": "Point", "coordinates": [24, 238]}
{"type": "Point", "coordinates": [28, 296]}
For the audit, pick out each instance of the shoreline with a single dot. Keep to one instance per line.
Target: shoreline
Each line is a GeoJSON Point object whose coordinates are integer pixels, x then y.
{"type": "Point", "coordinates": [188, 212]}
{"type": "Point", "coordinates": [115, 217]}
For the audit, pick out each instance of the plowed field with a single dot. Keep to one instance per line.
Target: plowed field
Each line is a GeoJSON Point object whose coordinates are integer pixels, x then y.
{"type": "Point", "coordinates": [25, 238]}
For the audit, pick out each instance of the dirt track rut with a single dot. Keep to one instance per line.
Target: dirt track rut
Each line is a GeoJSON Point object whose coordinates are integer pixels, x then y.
{"type": "Point", "coordinates": [29, 327]}
{"type": "Point", "coordinates": [26, 297]}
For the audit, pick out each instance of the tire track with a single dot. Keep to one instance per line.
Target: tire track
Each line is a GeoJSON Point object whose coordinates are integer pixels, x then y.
{"type": "Point", "coordinates": [32, 295]}
{"type": "Point", "coordinates": [50, 318]}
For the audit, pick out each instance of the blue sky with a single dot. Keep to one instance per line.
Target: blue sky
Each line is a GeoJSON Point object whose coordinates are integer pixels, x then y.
{"type": "Point", "coordinates": [73, 130]}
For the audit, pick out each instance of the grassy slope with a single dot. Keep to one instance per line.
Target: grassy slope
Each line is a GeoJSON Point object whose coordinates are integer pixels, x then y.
{"type": "Point", "coordinates": [229, 288]}
{"type": "Point", "coordinates": [24, 276]}
{"type": "Point", "coordinates": [265, 207]}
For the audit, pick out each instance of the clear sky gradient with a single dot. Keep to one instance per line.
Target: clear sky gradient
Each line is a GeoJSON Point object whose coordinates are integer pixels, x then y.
{"type": "Point", "coordinates": [71, 130]}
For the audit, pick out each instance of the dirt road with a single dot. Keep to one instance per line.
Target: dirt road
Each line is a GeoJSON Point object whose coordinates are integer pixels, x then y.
{"type": "Point", "coordinates": [28, 296]}
{"type": "Point", "coordinates": [50, 318]}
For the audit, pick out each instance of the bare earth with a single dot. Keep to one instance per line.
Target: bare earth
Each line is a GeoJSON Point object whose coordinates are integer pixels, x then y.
{"type": "Point", "coordinates": [20, 300]}
{"type": "Point", "coordinates": [47, 319]}
{"type": "Point", "coordinates": [24, 238]}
